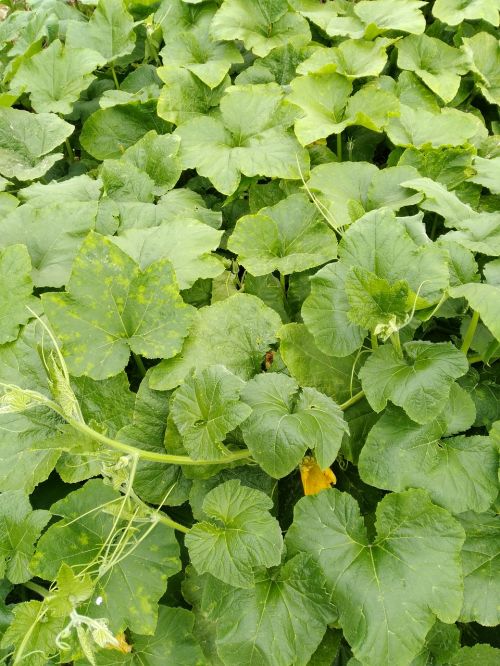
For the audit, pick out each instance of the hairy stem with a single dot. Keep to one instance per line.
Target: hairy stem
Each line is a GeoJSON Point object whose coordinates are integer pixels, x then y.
{"type": "Point", "coordinates": [34, 587]}
{"type": "Point", "coordinates": [397, 343]}
{"type": "Point", "coordinates": [469, 334]}
{"type": "Point", "coordinates": [352, 401]}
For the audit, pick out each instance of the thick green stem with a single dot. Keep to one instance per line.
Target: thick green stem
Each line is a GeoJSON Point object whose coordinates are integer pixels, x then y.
{"type": "Point", "coordinates": [69, 149]}
{"type": "Point", "coordinates": [34, 587]}
{"type": "Point", "coordinates": [283, 284]}
{"type": "Point", "coordinates": [397, 343]}
{"type": "Point", "coordinates": [469, 334]}
{"type": "Point", "coordinates": [115, 79]}
{"type": "Point", "coordinates": [140, 364]}
{"type": "Point", "coordinates": [165, 520]}
{"type": "Point", "coordinates": [339, 147]}
{"type": "Point", "coordinates": [374, 340]}
{"type": "Point", "coordinates": [352, 401]}
{"type": "Point", "coordinates": [154, 456]}
{"type": "Point", "coordinates": [475, 359]}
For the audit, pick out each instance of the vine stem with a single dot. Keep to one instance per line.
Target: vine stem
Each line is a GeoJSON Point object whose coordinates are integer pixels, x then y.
{"type": "Point", "coordinates": [140, 364]}
{"type": "Point", "coordinates": [163, 518]}
{"type": "Point", "coordinates": [397, 343]}
{"type": "Point", "coordinates": [469, 334]}
{"type": "Point", "coordinates": [34, 587]}
{"type": "Point", "coordinates": [374, 341]}
{"type": "Point", "coordinates": [71, 154]}
{"type": "Point", "coordinates": [339, 146]}
{"type": "Point", "coordinates": [115, 79]}
{"type": "Point", "coordinates": [352, 401]}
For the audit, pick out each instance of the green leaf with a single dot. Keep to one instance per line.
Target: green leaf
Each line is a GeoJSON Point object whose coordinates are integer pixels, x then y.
{"type": "Point", "coordinates": [309, 366]}
{"type": "Point", "coordinates": [206, 408]}
{"type": "Point", "coordinates": [107, 133]}
{"type": "Point", "coordinates": [481, 563]}
{"type": "Point", "coordinates": [56, 76]}
{"type": "Point", "coordinates": [348, 189]}
{"type": "Point", "coordinates": [437, 64]}
{"type": "Point", "coordinates": [353, 58]}
{"type": "Point", "coordinates": [485, 299]}
{"type": "Point", "coordinates": [419, 381]}
{"type": "Point", "coordinates": [454, 12]}
{"type": "Point", "coordinates": [239, 536]}
{"type": "Point", "coordinates": [286, 421]}
{"type": "Point", "coordinates": [110, 31]}
{"type": "Point", "coordinates": [185, 96]}
{"type": "Point", "coordinates": [479, 653]}
{"type": "Point", "coordinates": [282, 619]}
{"type": "Point", "coordinates": [411, 569]}
{"type": "Point", "coordinates": [288, 237]}
{"type": "Point", "coordinates": [173, 642]}
{"type": "Point", "coordinates": [400, 15]}
{"type": "Point", "coordinates": [26, 142]}
{"type": "Point", "coordinates": [32, 632]}
{"type": "Point", "coordinates": [325, 313]}
{"type": "Point", "coordinates": [112, 307]}
{"type": "Point", "coordinates": [153, 482]}
{"type": "Point", "coordinates": [236, 332]}
{"type": "Point", "coordinates": [132, 585]}
{"type": "Point", "coordinates": [419, 128]}
{"type": "Point", "coordinates": [262, 26]}
{"type": "Point", "coordinates": [185, 242]}
{"type": "Point", "coordinates": [20, 527]}
{"type": "Point", "coordinates": [487, 173]}
{"type": "Point", "coordinates": [460, 473]}
{"type": "Point", "coordinates": [484, 51]}
{"type": "Point", "coordinates": [251, 138]}
{"type": "Point", "coordinates": [52, 234]}
{"type": "Point", "coordinates": [17, 287]}
{"type": "Point", "coordinates": [196, 51]}
{"type": "Point", "coordinates": [157, 155]}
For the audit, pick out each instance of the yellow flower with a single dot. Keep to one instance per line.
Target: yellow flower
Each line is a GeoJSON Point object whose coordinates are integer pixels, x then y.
{"type": "Point", "coordinates": [313, 477]}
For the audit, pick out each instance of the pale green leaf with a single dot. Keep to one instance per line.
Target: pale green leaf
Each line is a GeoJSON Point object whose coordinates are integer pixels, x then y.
{"type": "Point", "coordinates": [286, 421]}
{"type": "Point", "coordinates": [112, 307]}
{"type": "Point", "coordinates": [353, 58]}
{"type": "Point", "coordinates": [236, 332]}
{"type": "Point", "coordinates": [460, 473]}
{"type": "Point", "coordinates": [16, 295]}
{"type": "Point", "coordinates": [485, 298]}
{"type": "Point", "coordinates": [487, 173]}
{"type": "Point", "coordinates": [239, 535]}
{"type": "Point", "coordinates": [157, 156]}
{"type": "Point", "coordinates": [262, 25]}
{"type": "Point", "coordinates": [56, 76]}
{"type": "Point", "coordinates": [411, 571]}
{"type": "Point", "coordinates": [110, 31]}
{"type": "Point", "coordinates": [481, 563]}
{"type": "Point", "coordinates": [400, 15]}
{"type": "Point", "coordinates": [130, 587]}
{"type": "Point", "coordinates": [419, 381]}
{"type": "Point", "coordinates": [206, 408]}
{"type": "Point", "coordinates": [454, 12]}
{"type": "Point", "coordinates": [484, 51]}
{"type": "Point", "coordinates": [20, 527]}
{"type": "Point", "coordinates": [25, 140]}
{"type": "Point", "coordinates": [289, 237]}
{"type": "Point", "coordinates": [483, 654]}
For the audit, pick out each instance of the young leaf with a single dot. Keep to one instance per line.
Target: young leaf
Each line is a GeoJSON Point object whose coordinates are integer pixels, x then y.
{"type": "Point", "coordinates": [412, 568]}
{"type": "Point", "coordinates": [20, 527]}
{"type": "Point", "coordinates": [206, 408]}
{"type": "Point", "coordinates": [239, 535]}
{"type": "Point", "coordinates": [460, 473]}
{"type": "Point", "coordinates": [286, 421]}
{"type": "Point", "coordinates": [282, 618]}
{"type": "Point", "coordinates": [253, 329]}
{"type": "Point", "coordinates": [112, 307]}
{"type": "Point", "coordinates": [132, 585]}
{"type": "Point", "coordinates": [419, 381]}
{"type": "Point", "coordinates": [288, 237]}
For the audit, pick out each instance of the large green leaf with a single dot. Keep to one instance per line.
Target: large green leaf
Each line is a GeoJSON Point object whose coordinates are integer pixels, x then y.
{"type": "Point", "coordinates": [282, 619]}
{"type": "Point", "coordinates": [187, 243]}
{"type": "Point", "coordinates": [250, 138]}
{"type": "Point", "coordinates": [454, 12]}
{"type": "Point", "coordinates": [487, 173]}
{"type": "Point", "coordinates": [131, 587]}
{"type": "Point", "coordinates": [157, 155]}
{"type": "Point", "coordinates": [239, 535]}
{"type": "Point", "coordinates": [419, 381]}
{"type": "Point", "coordinates": [484, 50]}
{"type": "Point", "coordinates": [485, 299]}
{"type": "Point", "coordinates": [406, 577]}
{"type": "Point", "coordinates": [20, 527]}
{"type": "Point", "coordinates": [27, 141]}
{"type": "Point", "coordinates": [288, 237]}
{"type": "Point", "coordinates": [206, 408]}
{"type": "Point", "coordinates": [112, 307]}
{"type": "Point", "coordinates": [403, 16]}
{"type": "Point", "coordinates": [353, 58]}
{"type": "Point", "coordinates": [286, 421]}
{"type": "Point", "coordinates": [309, 366]}
{"type": "Point", "coordinates": [236, 332]}
{"type": "Point", "coordinates": [262, 25]}
{"type": "Point", "coordinates": [17, 287]}
{"type": "Point", "coordinates": [437, 64]}
{"type": "Point", "coordinates": [56, 76]}
{"type": "Point", "coordinates": [460, 473]}
{"type": "Point", "coordinates": [110, 31]}
{"type": "Point", "coordinates": [481, 563]}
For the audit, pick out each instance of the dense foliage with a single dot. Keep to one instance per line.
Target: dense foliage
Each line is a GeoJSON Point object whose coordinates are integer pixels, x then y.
{"type": "Point", "coordinates": [249, 249]}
